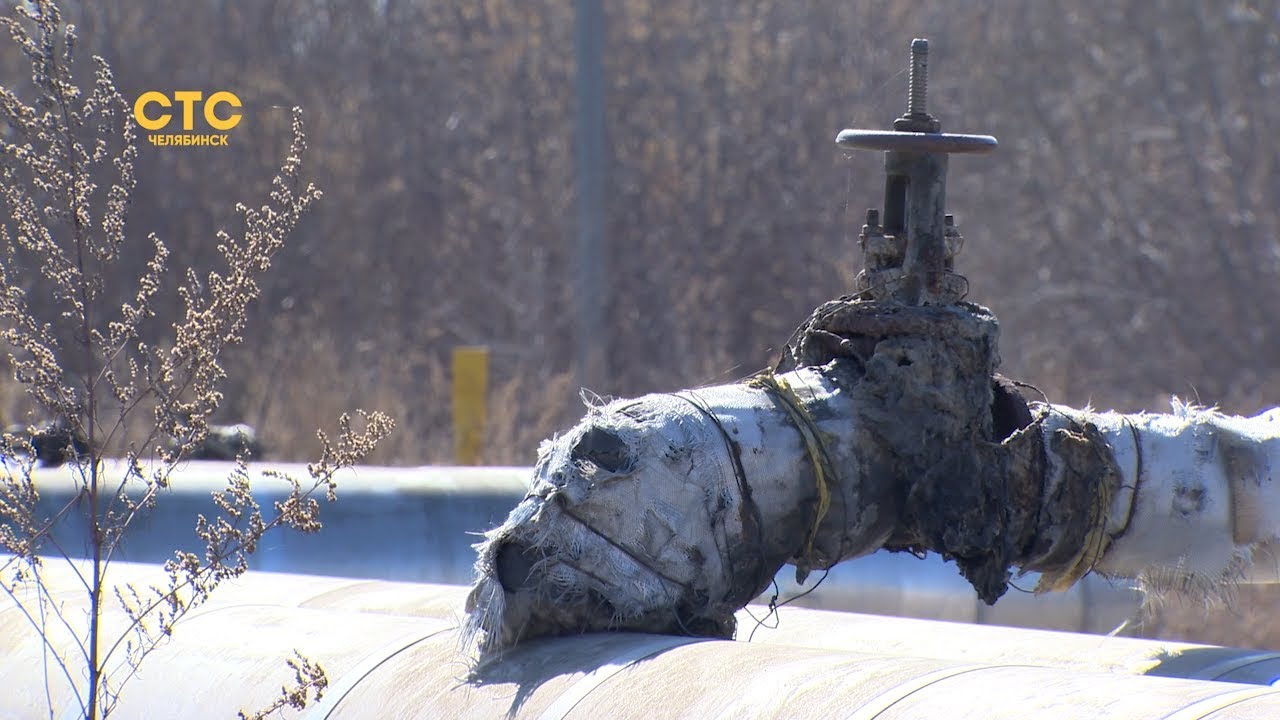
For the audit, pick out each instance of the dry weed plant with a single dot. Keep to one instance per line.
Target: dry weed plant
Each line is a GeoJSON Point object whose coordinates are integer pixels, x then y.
{"type": "Point", "coordinates": [66, 163]}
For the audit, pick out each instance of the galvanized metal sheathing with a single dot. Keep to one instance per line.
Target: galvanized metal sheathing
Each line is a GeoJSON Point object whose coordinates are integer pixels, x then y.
{"type": "Point", "coordinates": [383, 662]}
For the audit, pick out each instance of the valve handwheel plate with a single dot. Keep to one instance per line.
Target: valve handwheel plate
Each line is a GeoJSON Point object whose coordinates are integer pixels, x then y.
{"type": "Point", "coordinates": [914, 141]}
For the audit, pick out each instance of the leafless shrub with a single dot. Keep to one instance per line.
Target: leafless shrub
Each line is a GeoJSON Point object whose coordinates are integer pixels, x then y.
{"type": "Point", "coordinates": [67, 170]}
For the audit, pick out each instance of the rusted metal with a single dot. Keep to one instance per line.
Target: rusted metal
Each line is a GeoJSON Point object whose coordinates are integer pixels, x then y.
{"type": "Point", "coordinates": [916, 141]}
{"type": "Point", "coordinates": [917, 117]}
{"type": "Point", "coordinates": [914, 200]}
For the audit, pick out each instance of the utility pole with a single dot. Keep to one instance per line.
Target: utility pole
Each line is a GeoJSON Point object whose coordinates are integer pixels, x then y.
{"type": "Point", "coordinates": [591, 337]}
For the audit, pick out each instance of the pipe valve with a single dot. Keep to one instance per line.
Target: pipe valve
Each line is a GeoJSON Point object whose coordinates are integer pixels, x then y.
{"type": "Point", "coordinates": [909, 249]}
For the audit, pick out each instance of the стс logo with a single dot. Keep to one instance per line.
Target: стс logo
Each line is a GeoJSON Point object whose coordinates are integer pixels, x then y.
{"type": "Point", "coordinates": [188, 99]}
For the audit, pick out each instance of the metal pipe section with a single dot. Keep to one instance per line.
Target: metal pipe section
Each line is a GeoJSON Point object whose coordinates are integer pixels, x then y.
{"type": "Point", "coordinates": [389, 523]}
{"type": "Point", "coordinates": [418, 524]}
{"type": "Point", "coordinates": [904, 585]}
{"type": "Point", "coordinates": [801, 627]}
{"type": "Point", "coordinates": [964, 642]}
{"type": "Point", "coordinates": [228, 655]}
{"type": "Point", "coordinates": [644, 676]}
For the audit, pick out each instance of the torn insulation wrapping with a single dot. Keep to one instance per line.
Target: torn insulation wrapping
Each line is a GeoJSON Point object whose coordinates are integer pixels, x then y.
{"type": "Point", "coordinates": [886, 428]}
{"type": "Point", "coordinates": [669, 512]}
{"type": "Point", "coordinates": [1194, 498]}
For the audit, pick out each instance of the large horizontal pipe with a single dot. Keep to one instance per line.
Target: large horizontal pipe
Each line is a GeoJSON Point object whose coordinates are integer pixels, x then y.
{"type": "Point", "coordinates": [418, 524]}
{"type": "Point", "coordinates": [964, 642]}
{"type": "Point", "coordinates": [383, 662]}
{"type": "Point", "coordinates": [647, 676]}
{"type": "Point", "coordinates": [389, 523]}
{"type": "Point", "coordinates": [791, 626]}
{"type": "Point", "coordinates": [927, 588]}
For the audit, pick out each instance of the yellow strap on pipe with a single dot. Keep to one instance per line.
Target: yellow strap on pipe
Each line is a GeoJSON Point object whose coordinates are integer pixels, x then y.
{"type": "Point", "coordinates": [813, 444]}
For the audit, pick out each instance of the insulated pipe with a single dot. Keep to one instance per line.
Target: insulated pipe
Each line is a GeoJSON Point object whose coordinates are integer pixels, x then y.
{"type": "Point", "coordinates": [226, 658]}
{"type": "Point", "coordinates": [800, 627]}
{"type": "Point", "coordinates": [1197, 501]}
{"type": "Point", "coordinates": [432, 515]}
{"type": "Point", "coordinates": [669, 512]}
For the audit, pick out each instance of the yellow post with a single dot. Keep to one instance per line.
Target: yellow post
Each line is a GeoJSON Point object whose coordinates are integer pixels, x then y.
{"type": "Point", "coordinates": [470, 390]}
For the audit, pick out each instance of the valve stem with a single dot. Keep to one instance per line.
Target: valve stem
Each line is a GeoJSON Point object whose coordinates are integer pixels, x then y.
{"type": "Point", "coordinates": [917, 118]}
{"type": "Point", "coordinates": [919, 83]}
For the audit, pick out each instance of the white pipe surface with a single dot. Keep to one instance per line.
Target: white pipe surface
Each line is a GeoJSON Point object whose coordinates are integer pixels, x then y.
{"type": "Point", "coordinates": [229, 656]}
{"type": "Point", "coordinates": [1197, 502]}
{"type": "Point", "coordinates": [390, 650]}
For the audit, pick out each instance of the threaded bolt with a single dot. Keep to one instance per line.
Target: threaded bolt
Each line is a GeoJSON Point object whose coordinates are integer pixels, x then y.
{"type": "Point", "coordinates": [919, 82]}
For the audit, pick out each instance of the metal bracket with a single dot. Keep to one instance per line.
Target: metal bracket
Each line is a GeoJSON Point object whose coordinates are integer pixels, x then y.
{"type": "Point", "coordinates": [910, 257]}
